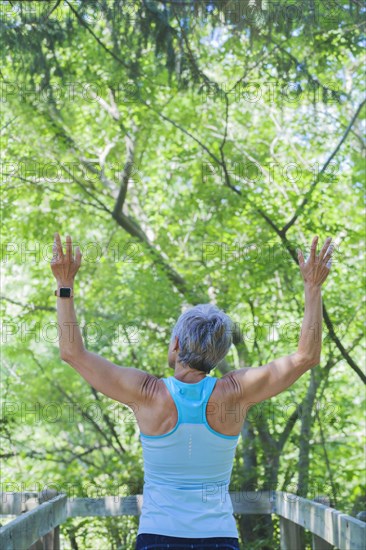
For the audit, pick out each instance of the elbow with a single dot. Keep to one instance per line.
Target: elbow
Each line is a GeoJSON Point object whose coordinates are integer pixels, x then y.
{"type": "Point", "coordinates": [70, 357]}
{"type": "Point", "coordinates": [64, 356]}
{"type": "Point", "coordinates": [315, 362]}
{"type": "Point", "coordinates": [308, 361]}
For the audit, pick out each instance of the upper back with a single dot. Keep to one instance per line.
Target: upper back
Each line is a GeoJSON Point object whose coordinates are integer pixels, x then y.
{"type": "Point", "coordinates": [191, 447]}
{"type": "Point", "coordinates": [158, 414]}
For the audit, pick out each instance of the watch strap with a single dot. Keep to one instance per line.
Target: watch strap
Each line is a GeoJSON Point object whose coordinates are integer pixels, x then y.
{"type": "Point", "coordinates": [64, 292]}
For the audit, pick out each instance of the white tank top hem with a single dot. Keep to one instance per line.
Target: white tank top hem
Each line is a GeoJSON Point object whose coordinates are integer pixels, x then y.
{"type": "Point", "coordinates": [187, 471]}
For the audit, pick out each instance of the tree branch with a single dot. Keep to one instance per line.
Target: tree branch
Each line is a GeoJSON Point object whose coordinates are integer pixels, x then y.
{"type": "Point", "coordinates": [316, 181]}
{"type": "Point", "coordinates": [130, 149]}
{"type": "Point", "coordinates": [82, 22]}
{"type": "Point", "coordinates": [340, 346]}
{"type": "Point", "coordinates": [31, 307]}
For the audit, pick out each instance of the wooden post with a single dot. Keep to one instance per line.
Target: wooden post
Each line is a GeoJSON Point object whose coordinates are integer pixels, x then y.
{"type": "Point", "coordinates": [290, 535]}
{"type": "Point", "coordinates": [361, 516]}
{"type": "Point", "coordinates": [28, 529]}
{"type": "Point", "coordinates": [321, 544]}
{"type": "Point", "coordinates": [56, 543]}
{"type": "Point", "coordinates": [317, 542]}
{"type": "Point", "coordinates": [50, 541]}
{"type": "Point", "coordinates": [37, 545]}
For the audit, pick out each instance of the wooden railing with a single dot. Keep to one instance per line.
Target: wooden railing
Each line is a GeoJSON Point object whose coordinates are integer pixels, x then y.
{"type": "Point", "coordinates": [41, 514]}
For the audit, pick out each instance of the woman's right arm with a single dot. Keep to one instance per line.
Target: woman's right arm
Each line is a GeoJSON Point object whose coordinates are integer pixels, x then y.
{"type": "Point", "coordinates": [255, 384]}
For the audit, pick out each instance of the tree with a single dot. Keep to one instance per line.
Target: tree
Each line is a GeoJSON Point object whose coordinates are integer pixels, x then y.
{"type": "Point", "coordinates": [190, 148]}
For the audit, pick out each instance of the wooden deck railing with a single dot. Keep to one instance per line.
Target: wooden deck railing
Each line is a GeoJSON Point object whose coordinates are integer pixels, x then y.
{"type": "Point", "coordinates": [41, 514]}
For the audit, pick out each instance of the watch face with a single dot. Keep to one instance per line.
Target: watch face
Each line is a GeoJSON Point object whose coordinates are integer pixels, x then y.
{"type": "Point", "coordinates": [65, 292]}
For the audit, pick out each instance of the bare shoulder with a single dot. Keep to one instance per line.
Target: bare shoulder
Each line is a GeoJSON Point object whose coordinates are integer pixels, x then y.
{"type": "Point", "coordinates": [229, 386]}
{"type": "Point", "coordinates": [151, 388]}
{"type": "Point", "coordinates": [226, 416]}
{"type": "Point", "coordinates": [256, 384]}
{"type": "Point", "coordinates": [247, 384]}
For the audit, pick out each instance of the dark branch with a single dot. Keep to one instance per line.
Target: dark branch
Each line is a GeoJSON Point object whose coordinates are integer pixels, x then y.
{"type": "Point", "coordinates": [340, 346]}
{"type": "Point", "coordinates": [31, 307]}
{"type": "Point", "coordinates": [130, 147]}
{"type": "Point", "coordinates": [81, 20]}
{"type": "Point", "coordinates": [314, 184]}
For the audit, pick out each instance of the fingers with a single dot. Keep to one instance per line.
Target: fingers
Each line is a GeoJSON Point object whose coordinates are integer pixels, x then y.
{"type": "Point", "coordinates": [326, 270]}
{"type": "Point", "coordinates": [60, 253]}
{"type": "Point", "coordinates": [313, 248]}
{"type": "Point", "coordinates": [325, 248]}
{"type": "Point", "coordinates": [77, 256]}
{"type": "Point", "coordinates": [328, 255]}
{"type": "Point", "coordinates": [327, 261]}
{"type": "Point", "coordinates": [54, 252]}
{"type": "Point", "coordinates": [68, 249]}
{"type": "Point", "coordinates": [300, 257]}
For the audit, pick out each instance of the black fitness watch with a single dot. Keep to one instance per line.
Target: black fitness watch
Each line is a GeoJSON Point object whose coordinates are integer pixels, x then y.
{"type": "Point", "coordinates": [64, 292]}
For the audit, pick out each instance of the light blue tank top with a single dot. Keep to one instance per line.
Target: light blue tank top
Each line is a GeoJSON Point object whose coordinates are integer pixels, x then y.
{"type": "Point", "coordinates": [187, 470]}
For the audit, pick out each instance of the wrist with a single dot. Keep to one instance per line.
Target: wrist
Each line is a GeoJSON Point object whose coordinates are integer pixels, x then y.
{"type": "Point", "coordinates": [67, 284]}
{"type": "Point", "coordinates": [312, 288]}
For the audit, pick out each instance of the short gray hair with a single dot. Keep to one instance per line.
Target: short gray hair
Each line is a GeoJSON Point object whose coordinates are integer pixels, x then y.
{"type": "Point", "coordinates": [205, 335]}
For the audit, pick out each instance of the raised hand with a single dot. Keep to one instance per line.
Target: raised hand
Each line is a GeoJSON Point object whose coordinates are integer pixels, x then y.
{"type": "Point", "coordinates": [64, 266]}
{"type": "Point", "coordinates": [317, 267]}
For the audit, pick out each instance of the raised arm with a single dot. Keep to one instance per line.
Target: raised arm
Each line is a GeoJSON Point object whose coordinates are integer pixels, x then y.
{"type": "Point", "coordinates": [128, 385]}
{"type": "Point", "coordinates": [255, 384]}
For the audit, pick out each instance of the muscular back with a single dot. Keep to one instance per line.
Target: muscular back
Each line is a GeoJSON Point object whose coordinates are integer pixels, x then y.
{"type": "Point", "coordinates": [224, 412]}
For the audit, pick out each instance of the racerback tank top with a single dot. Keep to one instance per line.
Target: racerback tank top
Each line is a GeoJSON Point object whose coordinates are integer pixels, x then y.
{"type": "Point", "coordinates": [187, 470]}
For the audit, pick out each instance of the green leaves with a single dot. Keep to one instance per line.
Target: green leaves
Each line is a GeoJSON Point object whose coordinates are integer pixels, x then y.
{"type": "Point", "coordinates": [223, 119]}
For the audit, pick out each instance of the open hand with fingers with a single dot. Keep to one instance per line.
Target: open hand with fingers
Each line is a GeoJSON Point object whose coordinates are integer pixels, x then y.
{"type": "Point", "coordinates": [317, 267]}
{"type": "Point", "coordinates": [65, 266]}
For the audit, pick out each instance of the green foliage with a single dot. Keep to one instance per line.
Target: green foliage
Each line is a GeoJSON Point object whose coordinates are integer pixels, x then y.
{"type": "Point", "coordinates": [265, 97]}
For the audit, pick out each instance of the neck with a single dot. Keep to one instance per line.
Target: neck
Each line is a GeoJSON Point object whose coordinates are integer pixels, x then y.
{"type": "Point", "coordinates": [186, 374]}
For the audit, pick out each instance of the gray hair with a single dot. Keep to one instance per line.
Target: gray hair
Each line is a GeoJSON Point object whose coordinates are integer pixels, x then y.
{"type": "Point", "coordinates": [205, 335]}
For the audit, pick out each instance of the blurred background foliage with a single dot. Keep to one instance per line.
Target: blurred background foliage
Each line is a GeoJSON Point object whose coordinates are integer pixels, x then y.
{"type": "Point", "coordinates": [189, 148]}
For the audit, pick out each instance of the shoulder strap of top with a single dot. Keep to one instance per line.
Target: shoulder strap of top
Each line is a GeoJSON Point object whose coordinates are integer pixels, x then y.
{"type": "Point", "coordinates": [190, 399]}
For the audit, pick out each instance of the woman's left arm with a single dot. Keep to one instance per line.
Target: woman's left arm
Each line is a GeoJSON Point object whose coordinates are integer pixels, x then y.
{"type": "Point", "coordinates": [124, 384]}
